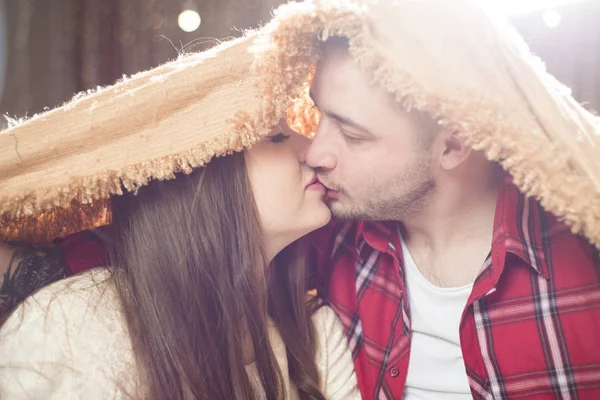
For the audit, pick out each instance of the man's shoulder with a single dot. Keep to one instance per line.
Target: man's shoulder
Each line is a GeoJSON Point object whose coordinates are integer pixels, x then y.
{"type": "Point", "coordinates": [525, 227]}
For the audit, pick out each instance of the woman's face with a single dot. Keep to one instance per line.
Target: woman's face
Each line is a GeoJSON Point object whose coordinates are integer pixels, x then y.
{"type": "Point", "coordinates": [290, 204]}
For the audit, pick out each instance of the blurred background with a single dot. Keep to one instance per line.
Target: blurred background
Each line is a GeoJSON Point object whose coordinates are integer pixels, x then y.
{"type": "Point", "coordinates": [52, 49]}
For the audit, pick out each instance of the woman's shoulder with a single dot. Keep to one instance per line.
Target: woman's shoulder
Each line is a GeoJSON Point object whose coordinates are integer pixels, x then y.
{"type": "Point", "coordinates": [78, 308]}
{"type": "Point", "coordinates": [90, 283]}
{"type": "Point", "coordinates": [75, 300]}
{"type": "Point", "coordinates": [324, 319]}
{"type": "Point", "coordinates": [71, 332]}
{"type": "Point", "coordinates": [329, 331]}
{"type": "Point", "coordinates": [333, 358]}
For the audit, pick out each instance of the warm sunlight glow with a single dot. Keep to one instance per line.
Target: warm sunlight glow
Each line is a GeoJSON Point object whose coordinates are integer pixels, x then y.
{"type": "Point", "coordinates": [552, 18]}
{"type": "Point", "coordinates": [189, 20]}
{"type": "Point", "coordinates": [515, 7]}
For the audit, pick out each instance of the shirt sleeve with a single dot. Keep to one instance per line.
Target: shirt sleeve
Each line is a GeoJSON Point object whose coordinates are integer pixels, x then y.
{"type": "Point", "coordinates": [334, 361]}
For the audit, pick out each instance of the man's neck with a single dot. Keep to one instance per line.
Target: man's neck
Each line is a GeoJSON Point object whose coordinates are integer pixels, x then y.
{"type": "Point", "coordinates": [451, 239]}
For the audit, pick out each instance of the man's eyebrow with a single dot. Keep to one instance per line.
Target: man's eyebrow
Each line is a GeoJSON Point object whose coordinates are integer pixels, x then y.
{"type": "Point", "coordinates": [346, 121]}
{"type": "Point", "coordinates": [341, 119]}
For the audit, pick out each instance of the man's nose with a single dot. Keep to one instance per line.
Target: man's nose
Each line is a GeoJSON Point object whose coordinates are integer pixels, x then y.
{"type": "Point", "coordinates": [300, 144]}
{"type": "Point", "coordinates": [321, 152]}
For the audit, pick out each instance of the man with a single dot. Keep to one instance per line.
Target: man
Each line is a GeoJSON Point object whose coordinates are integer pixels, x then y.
{"type": "Point", "coordinates": [469, 289]}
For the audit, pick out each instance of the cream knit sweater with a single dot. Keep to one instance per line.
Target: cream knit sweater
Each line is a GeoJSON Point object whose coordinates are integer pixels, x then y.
{"type": "Point", "coordinates": [69, 341]}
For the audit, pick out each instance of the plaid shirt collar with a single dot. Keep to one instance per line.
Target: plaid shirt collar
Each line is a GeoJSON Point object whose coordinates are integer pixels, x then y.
{"type": "Point", "coordinates": [508, 238]}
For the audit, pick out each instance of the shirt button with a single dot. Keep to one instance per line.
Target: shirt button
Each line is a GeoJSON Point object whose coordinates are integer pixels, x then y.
{"type": "Point", "coordinates": [394, 372]}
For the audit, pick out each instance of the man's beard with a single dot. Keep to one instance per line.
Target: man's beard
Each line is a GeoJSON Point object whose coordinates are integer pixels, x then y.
{"type": "Point", "coordinates": [402, 197]}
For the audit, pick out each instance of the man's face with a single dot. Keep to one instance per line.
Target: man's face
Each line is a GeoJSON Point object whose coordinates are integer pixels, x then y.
{"type": "Point", "coordinates": [367, 151]}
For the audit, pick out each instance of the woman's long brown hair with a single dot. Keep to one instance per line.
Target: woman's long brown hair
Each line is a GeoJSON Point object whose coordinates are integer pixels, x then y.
{"type": "Point", "coordinates": [197, 291]}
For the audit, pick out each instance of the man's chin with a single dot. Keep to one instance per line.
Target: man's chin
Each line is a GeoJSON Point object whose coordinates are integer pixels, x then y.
{"type": "Point", "coordinates": [341, 211]}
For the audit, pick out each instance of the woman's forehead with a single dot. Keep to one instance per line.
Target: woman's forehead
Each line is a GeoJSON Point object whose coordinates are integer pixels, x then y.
{"type": "Point", "coordinates": [283, 127]}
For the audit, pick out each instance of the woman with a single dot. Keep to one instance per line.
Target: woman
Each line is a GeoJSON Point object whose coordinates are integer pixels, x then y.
{"type": "Point", "coordinates": [205, 293]}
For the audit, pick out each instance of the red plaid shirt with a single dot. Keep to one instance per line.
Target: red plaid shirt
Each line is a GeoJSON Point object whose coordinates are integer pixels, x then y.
{"type": "Point", "coordinates": [531, 325]}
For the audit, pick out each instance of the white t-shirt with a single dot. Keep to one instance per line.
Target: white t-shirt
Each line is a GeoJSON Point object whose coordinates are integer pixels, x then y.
{"type": "Point", "coordinates": [436, 369]}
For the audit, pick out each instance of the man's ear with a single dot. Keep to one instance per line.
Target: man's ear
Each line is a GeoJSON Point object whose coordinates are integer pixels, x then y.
{"type": "Point", "coordinates": [452, 149]}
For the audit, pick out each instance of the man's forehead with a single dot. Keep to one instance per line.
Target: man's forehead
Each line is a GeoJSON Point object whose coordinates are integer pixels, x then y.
{"type": "Point", "coordinates": [346, 93]}
{"type": "Point", "coordinates": [337, 73]}
{"type": "Point", "coordinates": [338, 77]}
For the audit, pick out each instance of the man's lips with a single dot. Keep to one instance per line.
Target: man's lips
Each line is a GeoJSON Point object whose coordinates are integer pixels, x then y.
{"type": "Point", "coordinates": [331, 193]}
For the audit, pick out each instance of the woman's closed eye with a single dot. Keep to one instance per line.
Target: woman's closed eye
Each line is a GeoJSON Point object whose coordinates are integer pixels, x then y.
{"type": "Point", "coordinates": [279, 138]}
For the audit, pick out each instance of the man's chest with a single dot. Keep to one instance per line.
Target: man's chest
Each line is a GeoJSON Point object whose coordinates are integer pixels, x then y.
{"type": "Point", "coordinates": [535, 336]}
{"type": "Point", "coordinates": [435, 367]}
{"type": "Point", "coordinates": [521, 334]}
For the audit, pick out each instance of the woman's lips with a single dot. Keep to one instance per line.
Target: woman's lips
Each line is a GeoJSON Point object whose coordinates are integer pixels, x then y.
{"type": "Point", "coordinates": [316, 185]}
